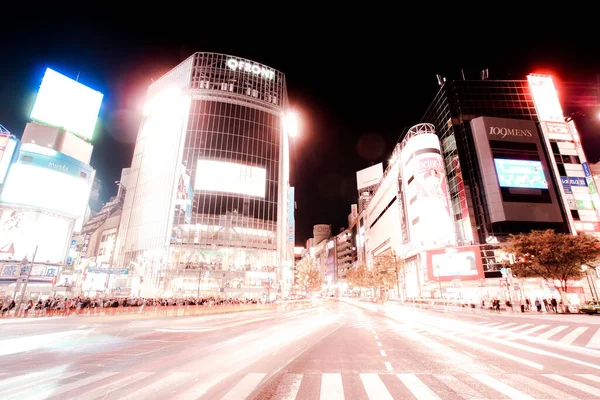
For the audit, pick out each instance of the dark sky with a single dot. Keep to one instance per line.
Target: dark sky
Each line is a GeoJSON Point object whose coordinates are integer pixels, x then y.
{"type": "Point", "coordinates": [357, 87]}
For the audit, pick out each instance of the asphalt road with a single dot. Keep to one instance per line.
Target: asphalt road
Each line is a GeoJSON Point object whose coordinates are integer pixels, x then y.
{"type": "Point", "coordinates": [338, 350]}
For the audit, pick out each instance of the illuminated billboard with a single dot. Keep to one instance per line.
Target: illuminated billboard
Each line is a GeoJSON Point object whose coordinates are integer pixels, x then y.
{"type": "Point", "coordinates": [21, 231]}
{"type": "Point", "coordinates": [7, 150]}
{"type": "Point", "coordinates": [227, 177]}
{"type": "Point", "coordinates": [429, 216]}
{"type": "Point", "coordinates": [455, 263]}
{"type": "Point", "coordinates": [49, 180]}
{"type": "Point", "coordinates": [68, 104]}
{"type": "Point", "coordinates": [520, 174]}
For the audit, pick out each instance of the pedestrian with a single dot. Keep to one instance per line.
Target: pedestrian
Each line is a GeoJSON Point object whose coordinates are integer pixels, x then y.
{"type": "Point", "coordinates": [546, 305]}
{"type": "Point", "coordinates": [538, 305]}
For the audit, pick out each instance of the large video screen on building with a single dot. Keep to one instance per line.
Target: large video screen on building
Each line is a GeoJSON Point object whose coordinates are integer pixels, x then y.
{"type": "Point", "coordinates": [452, 263]}
{"type": "Point", "coordinates": [227, 177]}
{"type": "Point", "coordinates": [66, 103]}
{"type": "Point", "coordinates": [49, 180]}
{"type": "Point", "coordinates": [526, 174]}
{"type": "Point", "coordinates": [22, 231]}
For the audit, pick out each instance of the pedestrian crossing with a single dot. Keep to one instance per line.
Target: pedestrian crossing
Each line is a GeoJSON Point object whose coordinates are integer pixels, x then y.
{"type": "Point", "coordinates": [565, 334]}
{"type": "Point", "coordinates": [290, 386]}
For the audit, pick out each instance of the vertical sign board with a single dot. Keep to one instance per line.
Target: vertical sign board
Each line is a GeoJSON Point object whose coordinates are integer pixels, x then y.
{"type": "Point", "coordinates": [291, 223]}
{"type": "Point", "coordinates": [549, 110]}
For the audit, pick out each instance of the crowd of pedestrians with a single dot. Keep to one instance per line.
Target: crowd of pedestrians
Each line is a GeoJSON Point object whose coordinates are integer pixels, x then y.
{"type": "Point", "coordinates": [85, 305]}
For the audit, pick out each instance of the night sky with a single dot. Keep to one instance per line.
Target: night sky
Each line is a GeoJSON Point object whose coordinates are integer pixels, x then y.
{"type": "Point", "coordinates": [356, 87]}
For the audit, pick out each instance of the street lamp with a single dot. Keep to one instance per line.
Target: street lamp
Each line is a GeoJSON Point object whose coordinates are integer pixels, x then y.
{"type": "Point", "coordinates": [291, 124]}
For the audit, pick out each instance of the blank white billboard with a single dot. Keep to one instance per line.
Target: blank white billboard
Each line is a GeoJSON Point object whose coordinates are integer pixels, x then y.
{"type": "Point", "coordinates": [227, 177]}
{"type": "Point", "coordinates": [369, 176]}
{"type": "Point", "coordinates": [68, 104]}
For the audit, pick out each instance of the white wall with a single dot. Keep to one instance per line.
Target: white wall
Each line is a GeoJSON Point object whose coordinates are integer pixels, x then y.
{"type": "Point", "coordinates": [388, 225]}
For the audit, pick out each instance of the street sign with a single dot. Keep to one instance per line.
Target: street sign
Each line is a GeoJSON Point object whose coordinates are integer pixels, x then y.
{"type": "Point", "coordinates": [504, 271]}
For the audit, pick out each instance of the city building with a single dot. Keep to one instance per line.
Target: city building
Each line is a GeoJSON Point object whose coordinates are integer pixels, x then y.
{"type": "Point", "coordinates": [489, 159]}
{"type": "Point", "coordinates": [94, 246]}
{"type": "Point", "coordinates": [367, 182]}
{"type": "Point", "coordinates": [46, 181]}
{"type": "Point", "coordinates": [207, 208]}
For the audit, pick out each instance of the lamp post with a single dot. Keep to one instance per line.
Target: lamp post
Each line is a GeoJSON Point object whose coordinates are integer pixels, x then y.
{"type": "Point", "coordinates": [24, 289]}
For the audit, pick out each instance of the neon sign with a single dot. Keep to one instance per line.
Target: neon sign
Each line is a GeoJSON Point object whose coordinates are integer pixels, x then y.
{"type": "Point", "coordinates": [256, 69]}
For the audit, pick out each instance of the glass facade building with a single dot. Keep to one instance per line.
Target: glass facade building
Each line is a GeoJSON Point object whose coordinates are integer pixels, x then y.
{"type": "Point", "coordinates": [456, 104]}
{"type": "Point", "coordinates": [207, 207]}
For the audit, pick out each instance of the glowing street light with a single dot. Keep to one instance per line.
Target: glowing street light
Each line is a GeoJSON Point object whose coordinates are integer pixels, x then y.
{"type": "Point", "coordinates": [291, 124]}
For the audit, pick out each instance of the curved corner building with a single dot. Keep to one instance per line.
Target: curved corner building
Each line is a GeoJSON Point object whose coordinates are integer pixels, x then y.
{"type": "Point", "coordinates": [207, 206]}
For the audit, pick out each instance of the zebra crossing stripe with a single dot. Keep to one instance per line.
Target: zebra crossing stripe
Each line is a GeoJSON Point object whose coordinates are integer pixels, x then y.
{"type": "Point", "coordinates": [35, 383]}
{"type": "Point", "coordinates": [572, 336]}
{"type": "Point", "coordinates": [574, 384]}
{"type": "Point", "coordinates": [501, 387]}
{"type": "Point", "coordinates": [375, 387]}
{"type": "Point", "coordinates": [332, 387]}
{"type": "Point", "coordinates": [289, 386]}
{"type": "Point", "coordinates": [72, 386]}
{"type": "Point", "coordinates": [149, 390]}
{"type": "Point", "coordinates": [417, 387]}
{"type": "Point", "coordinates": [244, 387]}
{"type": "Point", "coordinates": [114, 386]}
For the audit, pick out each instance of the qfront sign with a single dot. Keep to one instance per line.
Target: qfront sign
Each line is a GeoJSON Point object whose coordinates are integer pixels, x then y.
{"type": "Point", "coordinates": [249, 67]}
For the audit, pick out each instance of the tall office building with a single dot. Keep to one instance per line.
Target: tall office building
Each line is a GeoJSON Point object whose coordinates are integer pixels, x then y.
{"type": "Point", "coordinates": [513, 163]}
{"type": "Point", "coordinates": [207, 204]}
{"type": "Point", "coordinates": [489, 159]}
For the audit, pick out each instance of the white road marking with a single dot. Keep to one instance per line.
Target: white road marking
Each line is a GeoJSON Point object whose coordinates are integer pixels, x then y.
{"type": "Point", "coordinates": [595, 340]}
{"type": "Point", "coordinates": [574, 384]}
{"type": "Point", "coordinates": [469, 354]}
{"type": "Point", "coordinates": [331, 387]}
{"type": "Point", "coordinates": [28, 343]}
{"type": "Point", "coordinates": [388, 366]}
{"type": "Point", "coordinates": [244, 387]}
{"type": "Point", "coordinates": [200, 389]}
{"type": "Point", "coordinates": [382, 352]}
{"type": "Point", "coordinates": [374, 387]}
{"type": "Point", "coordinates": [104, 390]}
{"type": "Point", "coordinates": [73, 385]}
{"type": "Point", "coordinates": [417, 387]}
{"type": "Point", "coordinates": [504, 325]}
{"type": "Point", "coordinates": [570, 337]}
{"type": "Point", "coordinates": [551, 332]}
{"type": "Point", "coordinates": [288, 388]}
{"type": "Point", "coordinates": [516, 328]}
{"type": "Point", "coordinates": [548, 390]}
{"type": "Point", "coordinates": [36, 383]}
{"type": "Point", "coordinates": [376, 337]}
{"type": "Point", "coordinates": [534, 329]}
{"type": "Point", "coordinates": [459, 387]}
{"type": "Point", "coordinates": [501, 387]}
{"type": "Point", "coordinates": [379, 344]}
{"type": "Point", "coordinates": [147, 391]}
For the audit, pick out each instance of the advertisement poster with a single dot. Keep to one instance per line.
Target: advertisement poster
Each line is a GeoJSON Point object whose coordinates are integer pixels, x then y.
{"type": "Point", "coordinates": [435, 215]}
{"type": "Point", "coordinates": [22, 231]}
{"type": "Point", "coordinates": [455, 263]}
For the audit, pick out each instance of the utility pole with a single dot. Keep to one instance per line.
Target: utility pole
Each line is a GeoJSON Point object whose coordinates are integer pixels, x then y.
{"type": "Point", "coordinates": [24, 289]}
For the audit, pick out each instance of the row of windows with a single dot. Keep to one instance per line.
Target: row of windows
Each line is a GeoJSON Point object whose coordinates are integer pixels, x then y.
{"type": "Point", "coordinates": [220, 142]}
{"type": "Point", "coordinates": [234, 111]}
